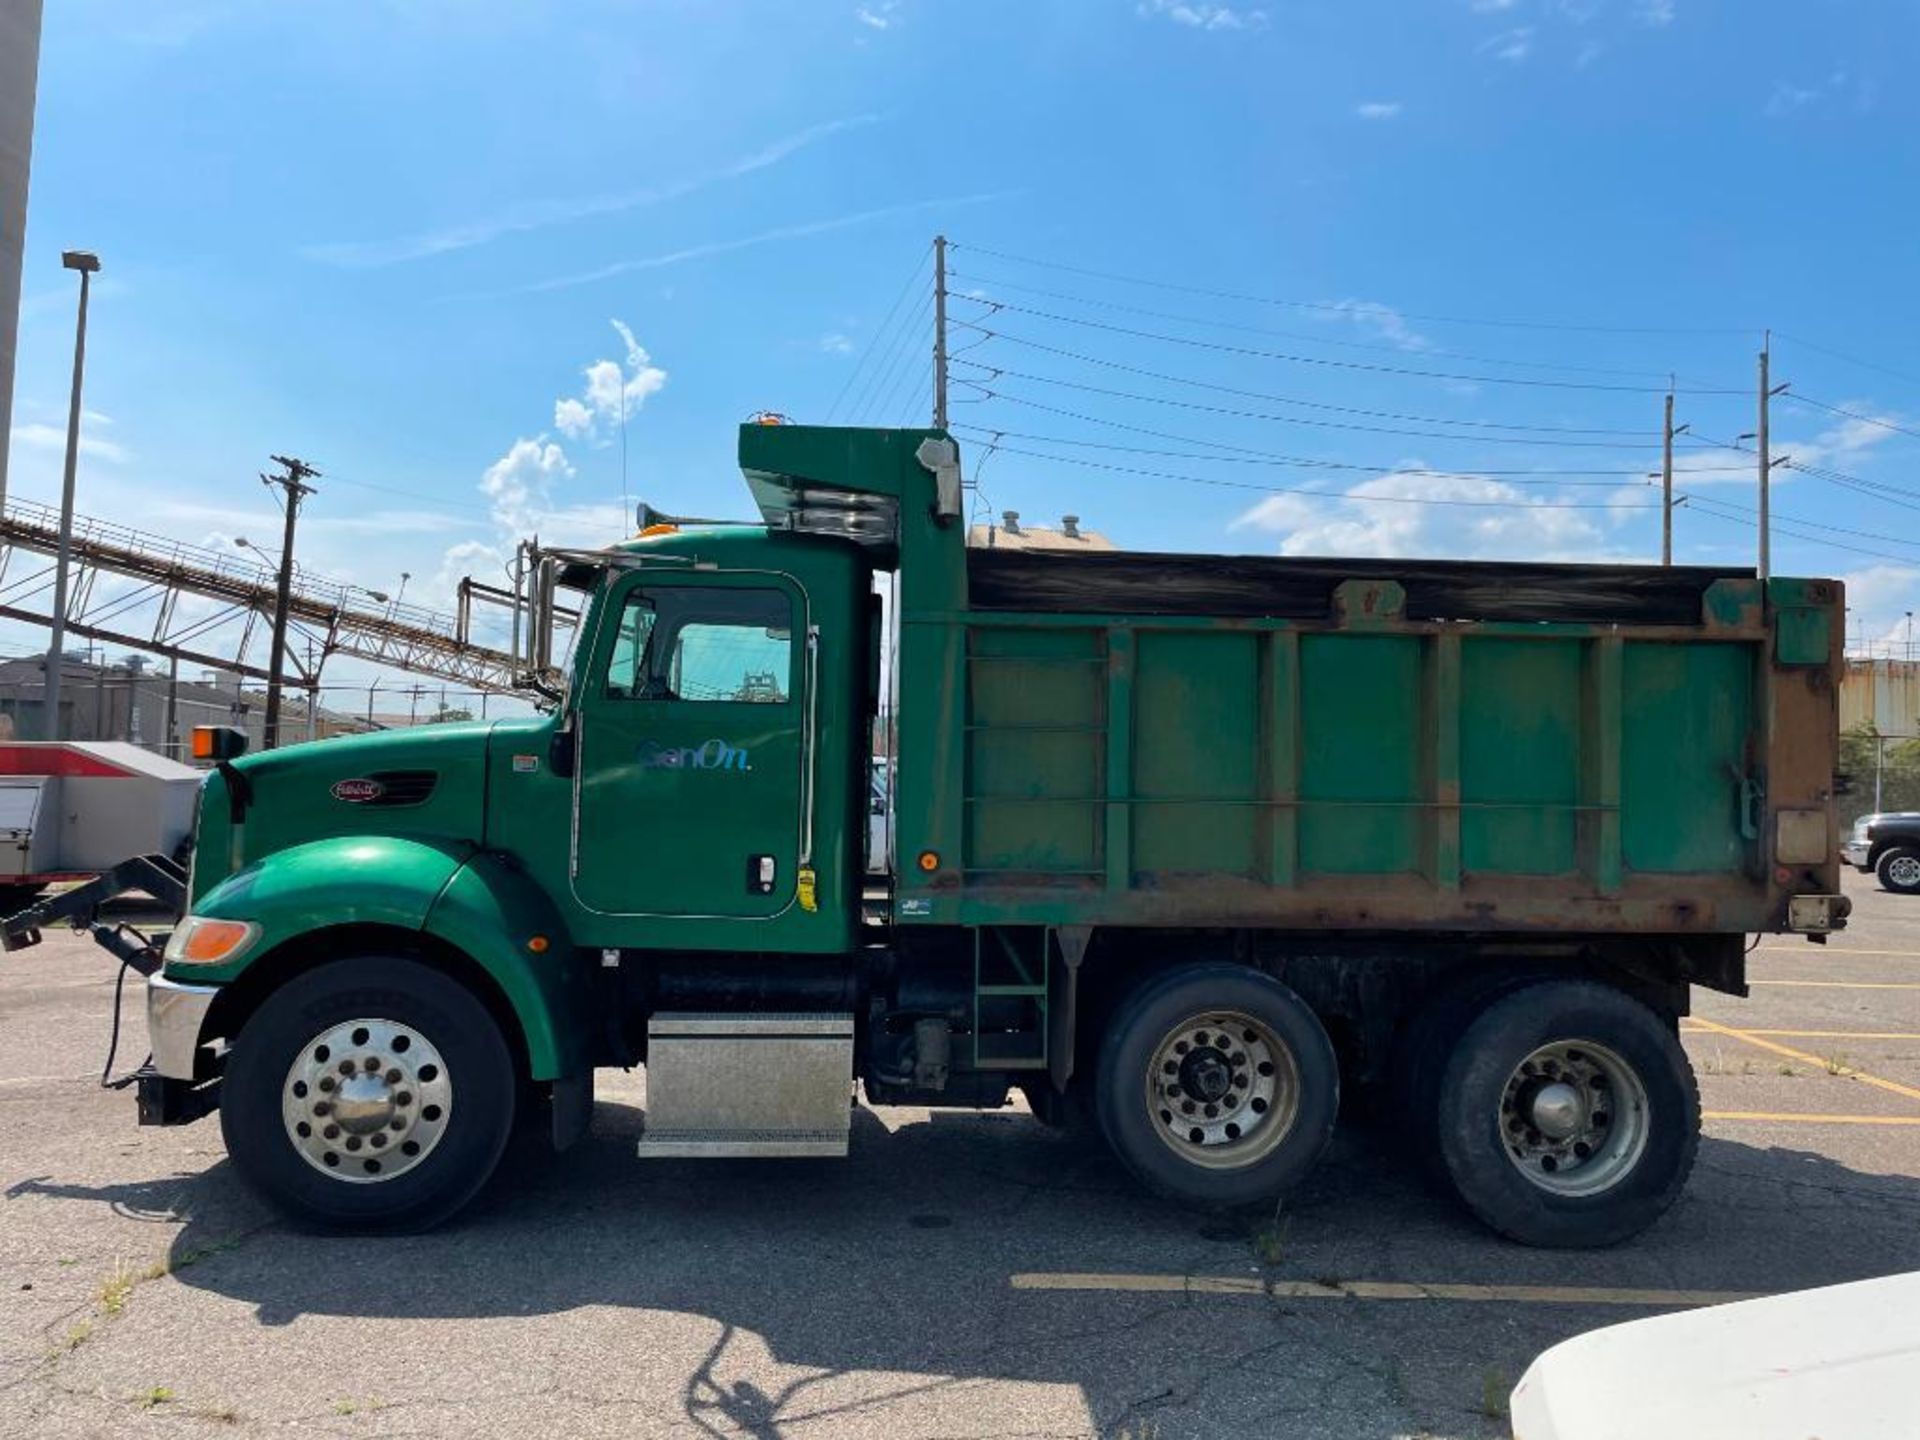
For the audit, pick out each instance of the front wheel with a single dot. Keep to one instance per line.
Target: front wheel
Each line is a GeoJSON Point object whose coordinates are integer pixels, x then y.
{"type": "Point", "coordinates": [1899, 870]}
{"type": "Point", "coordinates": [371, 1093]}
{"type": "Point", "coordinates": [1568, 1115]}
{"type": "Point", "coordinates": [1217, 1086]}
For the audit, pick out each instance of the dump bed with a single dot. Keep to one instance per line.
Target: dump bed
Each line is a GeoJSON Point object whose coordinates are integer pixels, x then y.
{"type": "Point", "coordinates": [1370, 744]}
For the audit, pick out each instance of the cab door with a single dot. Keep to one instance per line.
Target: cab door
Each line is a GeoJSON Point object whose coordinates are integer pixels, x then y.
{"type": "Point", "coordinates": [691, 780]}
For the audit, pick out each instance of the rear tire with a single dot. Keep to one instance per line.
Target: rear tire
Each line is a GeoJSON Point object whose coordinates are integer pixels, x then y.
{"type": "Point", "coordinates": [1899, 870]}
{"type": "Point", "coordinates": [1217, 1086]}
{"type": "Point", "coordinates": [374, 1093]}
{"type": "Point", "coordinates": [1568, 1116]}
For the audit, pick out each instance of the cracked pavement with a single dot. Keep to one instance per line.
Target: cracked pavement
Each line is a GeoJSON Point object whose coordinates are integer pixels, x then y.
{"type": "Point", "coordinates": [142, 1289]}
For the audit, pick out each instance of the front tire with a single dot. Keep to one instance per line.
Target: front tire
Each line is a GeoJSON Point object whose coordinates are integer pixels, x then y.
{"type": "Point", "coordinates": [1899, 870]}
{"type": "Point", "coordinates": [1217, 1086]}
{"type": "Point", "coordinates": [1568, 1116]}
{"type": "Point", "coordinates": [372, 1093]}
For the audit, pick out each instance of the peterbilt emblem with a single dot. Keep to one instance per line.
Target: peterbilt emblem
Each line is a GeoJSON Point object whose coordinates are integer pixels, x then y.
{"type": "Point", "coordinates": [358, 791]}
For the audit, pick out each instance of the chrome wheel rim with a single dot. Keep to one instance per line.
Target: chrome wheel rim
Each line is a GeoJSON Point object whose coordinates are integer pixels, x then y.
{"type": "Point", "coordinates": [1223, 1089]}
{"type": "Point", "coordinates": [1574, 1118]}
{"type": "Point", "coordinates": [1904, 871]}
{"type": "Point", "coordinates": [365, 1101]}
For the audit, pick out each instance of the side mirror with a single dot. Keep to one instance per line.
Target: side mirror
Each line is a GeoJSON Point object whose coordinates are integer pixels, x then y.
{"type": "Point", "coordinates": [218, 743]}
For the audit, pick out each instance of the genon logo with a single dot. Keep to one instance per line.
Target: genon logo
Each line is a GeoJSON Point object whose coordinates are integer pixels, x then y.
{"type": "Point", "coordinates": [358, 791]}
{"type": "Point", "coordinates": [715, 754]}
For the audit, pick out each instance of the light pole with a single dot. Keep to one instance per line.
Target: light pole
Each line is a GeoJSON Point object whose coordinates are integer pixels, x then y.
{"type": "Point", "coordinates": [86, 263]}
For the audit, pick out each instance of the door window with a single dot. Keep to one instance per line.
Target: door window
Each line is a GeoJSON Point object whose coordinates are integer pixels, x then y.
{"type": "Point", "coordinates": [703, 644]}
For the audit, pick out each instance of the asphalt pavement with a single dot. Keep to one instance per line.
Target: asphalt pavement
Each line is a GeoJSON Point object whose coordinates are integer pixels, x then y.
{"type": "Point", "coordinates": [959, 1275]}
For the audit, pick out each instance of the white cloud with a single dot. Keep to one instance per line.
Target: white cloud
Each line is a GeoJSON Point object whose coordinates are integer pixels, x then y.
{"type": "Point", "coordinates": [1199, 15]}
{"type": "Point", "coordinates": [1512, 46]}
{"type": "Point", "coordinates": [1380, 320]}
{"type": "Point", "coordinates": [1372, 518]}
{"type": "Point", "coordinates": [519, 485]}
{"type": "Point", "coordinates": [1787, 98]}
{"type": "Point", "coordinates": [878, 16]}
{"type": "Point", "coordinates": [1488, 7]}
{"type": "Point", "coordinates": [36, 436]}
{"type": "Point", "coordinates": [613, 391]}
{"type": "Point", "coordinates": [1378, 110]}
{"type": "Point", "coordinates": [1654, 12]}
{"type": "Point", "coordinates": [571, 418]}
{"type": "Point", "coordinates": [1879, 599]}
{"type": "Point", "coordinates": [835, 343]}
{"type": "Point", "coordinates": [539, 214]}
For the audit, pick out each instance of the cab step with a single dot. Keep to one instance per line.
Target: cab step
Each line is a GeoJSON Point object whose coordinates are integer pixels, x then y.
{"type": "Point", "coordinates": [729, 1085]}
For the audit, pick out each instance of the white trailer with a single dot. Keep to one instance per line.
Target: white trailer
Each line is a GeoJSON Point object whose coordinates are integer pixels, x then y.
{"type": "Point", "coordinates": [71, 810]}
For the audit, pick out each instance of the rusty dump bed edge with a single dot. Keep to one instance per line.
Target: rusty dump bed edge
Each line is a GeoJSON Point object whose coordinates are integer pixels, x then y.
{"type": "Point", "coordinates": [1259, 586]}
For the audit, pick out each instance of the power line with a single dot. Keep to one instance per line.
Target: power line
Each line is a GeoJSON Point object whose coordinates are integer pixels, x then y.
{"type": "Point", "coordinates": [1347, 312]}
{"type": "Point", "coordinates": [1527, 431]}
{"type": "Point", "coordinates": [1698, 499]}
{"type": "Point", "coordinates": [1876, 489]}
{"type": "Point", "coordinates": [1295, 462]}
{"type": "Point", "coordinates": [1842, 355]}
{"type": "Point", "coordinates": [1875, 420]}
{"type": "Point", "coordinates": [1324, 494]}
{"type": "Point", "coordinates": [1252, 352]}
{"type": "Point", "coordinates": [1694, 501]}
{"type": "Point", "coordinates": [874, 339]}
{"type": "Point", "coordinates": [987, 391]}
{"type": "Point", "coordinates": [1339, 308]}
{"type": "Point", "coordinates": [901, 354]}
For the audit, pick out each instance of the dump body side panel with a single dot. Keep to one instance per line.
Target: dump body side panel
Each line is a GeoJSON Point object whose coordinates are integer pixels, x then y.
{"type": "Point", "coordinates": [1367, 770]}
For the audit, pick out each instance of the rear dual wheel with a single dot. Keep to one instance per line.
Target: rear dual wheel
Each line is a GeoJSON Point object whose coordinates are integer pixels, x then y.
{"type": "Point", "coordinates": [1567, 1115]}
{"type": "Point", "coordinates": [1217, 1086]}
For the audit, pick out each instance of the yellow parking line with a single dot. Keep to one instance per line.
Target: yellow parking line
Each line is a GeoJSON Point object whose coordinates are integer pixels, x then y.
{"type": "Point", "coordinates": [1891, 1086]}
{"type": "Point", "coordinates": [1375, 1290]}
{"type": "Point", "coordinates": [1801, 1118]}
{"type": "Point", "coordinates": [1842, 984]}
{"type": "Point", "coordinates": [1688, 1027]}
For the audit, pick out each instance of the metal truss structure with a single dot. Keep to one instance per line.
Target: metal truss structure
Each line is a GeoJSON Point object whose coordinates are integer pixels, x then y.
{"type": "Point", "coordinates": [197, 604]}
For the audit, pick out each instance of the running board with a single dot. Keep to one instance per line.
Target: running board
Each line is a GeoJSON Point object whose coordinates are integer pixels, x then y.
{"type": "Point", "coordinates": [730, 1085]}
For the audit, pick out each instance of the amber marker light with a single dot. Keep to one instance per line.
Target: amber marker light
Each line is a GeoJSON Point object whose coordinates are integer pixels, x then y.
{"type": "Point", "coordinates": [538, 944]}
{"type": "Point", "coordinates": [204, 941]}
{"type": "Point", "coordinates": [929, 861]}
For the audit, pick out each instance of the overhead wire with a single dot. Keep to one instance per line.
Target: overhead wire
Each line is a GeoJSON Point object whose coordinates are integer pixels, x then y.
{"type": "Point", "coordinates": [1338, 307]}
{"type": "Point", "coordinates": [1526, 431]}
{"type": "Point", "coordinates": [1843, 356]}
{"type": "Point", "coordinates": [1303, 462]}
{"type": "Point", "coordinates": [883, 375]}
{"type": "Point", "coordinates": [1336, 495]}
{"type": "Point", "coordinates": [1344, 311]}
{"type": "Point", "coordinates": [1797, 398]}
{"type": "Point", "coordinates": [874, 339]}
{"type": "Point", "coordinates": [987, 390]}
{"type": "Point", "coordinates": [1411, 371]}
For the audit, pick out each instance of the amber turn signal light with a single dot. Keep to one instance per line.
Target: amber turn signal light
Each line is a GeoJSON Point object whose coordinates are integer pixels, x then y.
{"type": "Point", "coordinates": [218, 743]}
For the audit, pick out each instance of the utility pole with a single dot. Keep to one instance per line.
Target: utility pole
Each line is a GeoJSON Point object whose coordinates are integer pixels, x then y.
{"type": "Point", "coordinates": [940, 332]}
{"type": "Point", "coordinates": [1666, 485]}
{"type": "Point", "coordinates": [294, 487]}
{"type": "Point", "coordinates": [172, 747]}
{"type": "Point", "coordinates": [1668, 431]}
{"type": "Point", "coordinates": [86, 263]}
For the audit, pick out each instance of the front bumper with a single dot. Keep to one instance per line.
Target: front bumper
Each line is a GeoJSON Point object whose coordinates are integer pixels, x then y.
{"type": "Point", "coordinates": [1854, 852]}
{"type": "Point", "coordinates": [175, 1015]}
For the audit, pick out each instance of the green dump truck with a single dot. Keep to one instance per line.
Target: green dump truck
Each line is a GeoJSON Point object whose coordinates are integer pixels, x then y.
{"type": "Point", "coordinates": [1184, 845]}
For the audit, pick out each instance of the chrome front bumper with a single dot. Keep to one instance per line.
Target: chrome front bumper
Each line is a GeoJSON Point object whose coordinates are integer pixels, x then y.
{"type": "Point", "coordinates": [1854, 852]}
{"type": "Point", "coordinates": [175, 1014]}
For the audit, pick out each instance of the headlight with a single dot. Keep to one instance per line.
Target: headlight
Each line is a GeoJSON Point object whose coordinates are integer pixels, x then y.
{"type": "Point", "coordinates": [202, 940]}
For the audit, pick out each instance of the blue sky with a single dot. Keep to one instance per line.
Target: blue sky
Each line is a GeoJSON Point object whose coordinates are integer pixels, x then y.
{"type": "Point", "coordinates": [438, 246]}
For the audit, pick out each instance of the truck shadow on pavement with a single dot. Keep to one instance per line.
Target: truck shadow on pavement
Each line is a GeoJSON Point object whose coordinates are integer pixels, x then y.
{"type": "Point", "coordinates": [897, 1267]}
